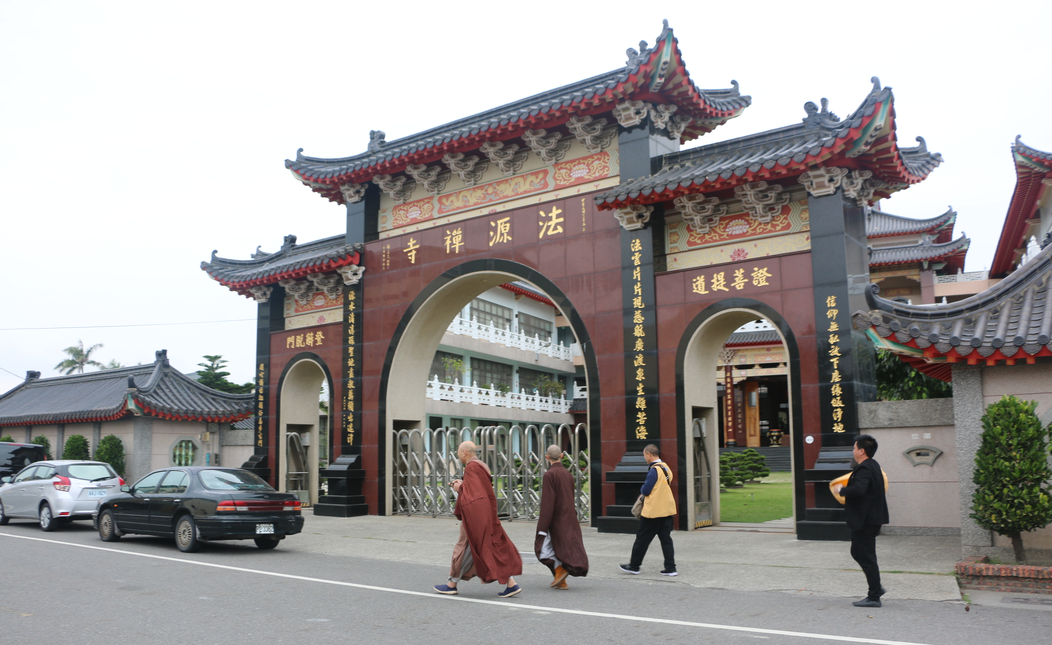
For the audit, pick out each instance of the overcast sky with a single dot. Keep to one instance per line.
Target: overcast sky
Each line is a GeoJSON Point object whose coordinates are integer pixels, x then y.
{"type": "Point", "coordinates": [139, 136]}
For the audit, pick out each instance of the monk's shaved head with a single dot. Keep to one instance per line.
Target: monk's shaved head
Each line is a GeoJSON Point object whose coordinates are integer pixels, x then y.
{"type": "Point", "coordinates": [467, 451]}
{"type": "Point", "coordinates": [554, 452]}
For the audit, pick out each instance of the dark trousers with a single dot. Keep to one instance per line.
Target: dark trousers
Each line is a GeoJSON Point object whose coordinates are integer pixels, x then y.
{"type": "Point", "coordinates": [864, 551]}
{"type": "Point", "coordinates": [648, 528]}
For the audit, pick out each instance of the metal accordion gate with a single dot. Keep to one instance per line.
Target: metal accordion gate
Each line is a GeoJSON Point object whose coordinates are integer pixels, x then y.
{"type": "Point", "coordinates": [425, 464]}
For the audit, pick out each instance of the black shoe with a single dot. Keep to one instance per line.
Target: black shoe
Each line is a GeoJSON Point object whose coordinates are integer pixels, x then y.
{"type": "Point", "coordinates": [669, 572]}
{"type": "Point", "coordinates": [627, 568]}
{"type": "Point", "coordinates": [882, 592]}
{"type": "Point", "coordinates": [866, 602]}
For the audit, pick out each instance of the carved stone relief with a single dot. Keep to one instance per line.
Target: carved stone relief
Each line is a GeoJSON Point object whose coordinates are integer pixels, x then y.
{"type": "Point", "coordinates": [469, 168]}
{"type": "Point", "coordinates": [399, 188]}
{"type": "Point", "coordinates": [633, 217]}
{"type": "Point", "coordinates": [551, 148]}
{"type": "Point", "coordinates": [661, 114]}
{"type": "Point", "coordinates": [701, 212]}
{"type": "Point", "coordinates": [353, 193]}
{"type": "Point", "coordinates": [593, 134]}
{"type": "Point", "coordinates": [433, 179]}
{"type": "Point", "coordinates": [822, 181]}
{"type": "Point", "coordinates": [301, 290]}
{"type": "Point", "coordinates": [328, 282]}
{"type": "Point", "coordinates": [351, 274]}
{"type": "Point", "coordinates": [677, 124]}
{"type": "Point", "coordinates": [630, 113]}
{"type": "Point", "coordinates": [508, 156]}
{"type": "Point", "coordinates": [261, 293]}
{"type": "Point", "coordinates": [860, 186]}
{"type": "Point", "coordinates": [761, 201]}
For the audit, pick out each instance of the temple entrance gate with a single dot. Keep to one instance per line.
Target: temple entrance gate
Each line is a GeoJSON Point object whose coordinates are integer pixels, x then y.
{"type": "Point", "coordinates": [299, 431]}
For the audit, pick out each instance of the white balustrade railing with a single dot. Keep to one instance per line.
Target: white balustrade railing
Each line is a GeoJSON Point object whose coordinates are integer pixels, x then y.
{"type": "Point", "coordinates": [457, 393]}
{"type": "Point", "coordinates": [974, 276]}
{"type": "Point", "coordinates": [474, 329]}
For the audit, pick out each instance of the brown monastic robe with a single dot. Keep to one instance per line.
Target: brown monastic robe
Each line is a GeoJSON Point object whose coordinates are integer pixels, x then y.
{"type": "Point", "coordinates": [493, 554]}
{"type": "Point", "coordinates": [558, 519]}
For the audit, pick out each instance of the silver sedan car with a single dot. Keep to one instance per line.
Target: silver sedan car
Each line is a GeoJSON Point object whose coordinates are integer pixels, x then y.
{"type": "Point", "coordinates": [54, 492]}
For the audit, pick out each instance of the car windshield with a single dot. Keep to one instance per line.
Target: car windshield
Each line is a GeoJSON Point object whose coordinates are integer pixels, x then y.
{"type": "Point", "coordinates": [91, 472]}
{"type": "Point", "coordinates": [232, 480]}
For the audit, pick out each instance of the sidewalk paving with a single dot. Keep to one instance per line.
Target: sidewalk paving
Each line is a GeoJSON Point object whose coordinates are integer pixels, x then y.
{"type": "Point", "coordinates": [742, 558]}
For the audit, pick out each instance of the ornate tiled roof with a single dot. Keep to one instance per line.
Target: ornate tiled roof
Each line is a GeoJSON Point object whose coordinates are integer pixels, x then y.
{"type": "Point", "coordinates": [865, 140]}
{"type": "Point", "coordinates": [291, 262]}
{"type": "Point", "coordinates": [761, 337]}
{"type": "Point", "coordinates": [925, 251]}
{"type": "Point", "coordinates": [880, 224]}
{"type": "Point", "coordinates": [655, 74]}
{"type": "Point", "coordinates": [1033, 169]}
{"type": "Point", "coordinates": [155, 390]}
{"type": "Point", "coordinates": [1010, 321]}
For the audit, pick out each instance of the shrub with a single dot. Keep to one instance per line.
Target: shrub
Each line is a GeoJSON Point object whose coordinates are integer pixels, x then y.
{"type": "Point", "coordinates": [76, 448]}
{"type": "Point", "coordinates": [753, 465]}
{"type": "Point", "coordinates": [1012, 472]}
{"type": "Point", "coordinates": [111, 451]}
{"type": "Point", "coordinates": [41, 440]}
{"type": "Point", "coordinates": [8, 438]}
{"type": "Point", "coordinates": [731, 473]}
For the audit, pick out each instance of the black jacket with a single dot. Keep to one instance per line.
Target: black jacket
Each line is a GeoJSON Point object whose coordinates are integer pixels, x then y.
{"type": "Point", "coordinates": [864, 498]}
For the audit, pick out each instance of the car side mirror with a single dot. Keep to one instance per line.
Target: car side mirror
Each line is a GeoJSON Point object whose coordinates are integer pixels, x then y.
{"type": "Point", "coordinates": [125, 488]}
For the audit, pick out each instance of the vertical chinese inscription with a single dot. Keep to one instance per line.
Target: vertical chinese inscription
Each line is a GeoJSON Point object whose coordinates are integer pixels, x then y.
{"type": "Point", "coordinates": [261, 384]}
{"type": "Point", "coordinates": [639, 334]}
{"type": "Point", "coordinates": [385, 257]}
{"type": "Point", "coordinates": [352, 372]}
{"type": "Point", "coordinates": [584, 216]}
{"type": "Point", "coordinates": [836, 391]}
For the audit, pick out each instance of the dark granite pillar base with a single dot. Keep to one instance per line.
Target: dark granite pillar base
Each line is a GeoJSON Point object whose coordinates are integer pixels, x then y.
{"type": "Point", "coordinates": [345, 498]}
{"type": "Point", "coordinates": [627, 477]}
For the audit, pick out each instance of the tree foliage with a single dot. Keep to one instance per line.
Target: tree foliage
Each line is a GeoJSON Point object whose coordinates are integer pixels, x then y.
{"type": "Point", "coordinates": [731, 473]}
{"type": "Point", "coordinates": [897, 381]}
{"type": "Point", "coordinates": [111, 451]}
{"type": "Point", "coordinates": [76, 448]}
{"type": "Point", "coordinates": [753, 465]}
{"type": "Point", "coordinates": [7, 438]}
{"type": "Point", "coordinates": [1012, 472]}
{"type": "Point", "coordinates": [42, 441]}
{"type": "Point", "coordinates": [212, 376]}
{"type": "Point", "coordinates": [79, 358]}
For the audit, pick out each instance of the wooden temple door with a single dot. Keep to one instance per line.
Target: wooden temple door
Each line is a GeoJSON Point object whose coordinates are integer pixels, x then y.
{"type": "Point", "coordinates": [751, 390]}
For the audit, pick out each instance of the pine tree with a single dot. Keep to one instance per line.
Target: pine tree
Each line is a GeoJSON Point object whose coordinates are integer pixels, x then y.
{"type": "Point", "coordinates": [111, 451]}
{"type": "Point", "coordinates": [76, 448]}
{"type": "Point", "coordinates": [754, 465]}
{"type": "Point", "coordinates": [731, 469]}
{"type": "Point", "coordinates": [1012, 472]}
{"type": "Point", "coordinates": [212, 377]}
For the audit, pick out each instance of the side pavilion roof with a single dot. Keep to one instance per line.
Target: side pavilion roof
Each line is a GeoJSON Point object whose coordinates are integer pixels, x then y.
{"type": "Point", "coordinates": [881, 224]}
{"type": "Point", "coordinates": [1033, 172]}
{"type": "Point", "coordinates": [157, 390]}
{"type": "Point", "coordinates": [926, 251]}
{"type": "Point", "coordinates": [865, 140]}
{"type": "Point", "coordinates": [1010, 321]}
{"type": "Point", "coordinates": [656, 74]}
{"type": "Point", "coordinates": [291, 262]}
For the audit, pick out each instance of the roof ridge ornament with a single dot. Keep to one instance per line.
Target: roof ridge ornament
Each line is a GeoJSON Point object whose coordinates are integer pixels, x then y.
{"type": "Point", "coordinates": [551, 148]}
{"type": "Point", "coordinates": [289, 243]}
{"type": "Point", "coordinates": [255, 256]}
{"type": "Point", "coordinates": [353, 193]}
{"type": "Point", "coordinates": [700, 211]}
{"type": "Point", "coordinates": [633, 217]}
{"type": "Point", "coordinates": [469, 168]}
{"type": "Point", "coordinates": [761, 201]}
{"type": "Point", "coordinates": [876, 84]}
{"type": "Point", "coordinates": [399, 188]}
{"type": "Point", "coordinates": [823, 119]}
{"type": "Point", "coordinates": [593, 133]}
{"type": "Point", "coordinates": [636, 58]}
{"type": "Point", "coordinates": [433, 179]}
{"type": "Point", "coordinates": [377, 140]}
{"type": "Point", "coordinates": [507, 156]}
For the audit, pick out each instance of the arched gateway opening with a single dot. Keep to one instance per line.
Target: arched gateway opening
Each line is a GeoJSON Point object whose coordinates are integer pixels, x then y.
{"type": "Point", "coordinates": [303, 434]}
{"type": "Point", "coordinates": [698, 414]}
{"type": "Point", "coordinates": [409, 371]}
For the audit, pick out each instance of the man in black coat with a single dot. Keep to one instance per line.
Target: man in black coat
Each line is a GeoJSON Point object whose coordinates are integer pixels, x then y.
{"type": "Point", "coordinates": [866, 508]}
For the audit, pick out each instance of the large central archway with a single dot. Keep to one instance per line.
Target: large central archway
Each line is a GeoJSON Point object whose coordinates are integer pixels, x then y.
{"type": "Point", "coordinates": [419, 332]}
{"type": "Point", "coordinates": [696, 361]}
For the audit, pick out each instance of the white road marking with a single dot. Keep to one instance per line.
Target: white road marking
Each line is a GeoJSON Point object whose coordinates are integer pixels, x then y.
{"type": "Point", "coordinates": [498, 603]}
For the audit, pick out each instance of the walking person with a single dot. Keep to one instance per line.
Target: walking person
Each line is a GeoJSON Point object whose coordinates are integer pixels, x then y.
{"type": "Point", "coordinates": [484, 549]}
{"type": "Point", "coordinates": [866, 508]}
{"type": "Point", "coordinates": [659, 505]}
{"type": "Point", "coordinates": [559, 545]}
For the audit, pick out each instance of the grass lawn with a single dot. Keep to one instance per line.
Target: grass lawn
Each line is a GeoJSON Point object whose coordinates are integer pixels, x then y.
{"type": "Point", "coordinates": [771, 499]}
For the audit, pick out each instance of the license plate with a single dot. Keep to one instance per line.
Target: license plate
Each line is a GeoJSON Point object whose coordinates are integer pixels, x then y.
{"type": "Point", "coordinates": [96, 493]}
{"type": "Point", "coordinates": [264, 528]}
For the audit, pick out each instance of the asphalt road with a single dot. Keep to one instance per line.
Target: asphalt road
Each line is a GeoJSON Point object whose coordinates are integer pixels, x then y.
{"type": "Point", "coordinates": [74, 588]}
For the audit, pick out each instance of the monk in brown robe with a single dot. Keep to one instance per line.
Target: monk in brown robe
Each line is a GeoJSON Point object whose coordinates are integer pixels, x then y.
{"type": "Point", "coordinates": [484, 549]}
{"type": "Point", "coordinates": [559, 545]}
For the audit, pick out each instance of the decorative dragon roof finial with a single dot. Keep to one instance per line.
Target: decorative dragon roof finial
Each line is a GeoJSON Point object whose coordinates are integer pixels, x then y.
{"type": "Point", "coordinates": [376, 140]}
{"type": "Point", "coordinates": [824, 119]}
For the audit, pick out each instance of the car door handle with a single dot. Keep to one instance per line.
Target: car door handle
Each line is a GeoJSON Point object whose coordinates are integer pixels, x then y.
{"type": "Point", "coordinates": [146, 499]}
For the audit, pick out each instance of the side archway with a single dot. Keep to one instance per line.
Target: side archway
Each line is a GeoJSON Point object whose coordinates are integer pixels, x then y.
{"type": "Point", "coordinates": [417, 337]}
{"type": "Point", "coordinates": [696, 361]}
{"type": "Point", "coordinates": [298, 414]}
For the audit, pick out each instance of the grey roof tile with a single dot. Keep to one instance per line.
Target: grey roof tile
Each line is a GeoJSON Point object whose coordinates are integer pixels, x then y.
{"type": "Point", "coordinates": [880, 224]}
{"type": "Point", "coordinates": [925, 250]}
{"type": "Point", "coordinates": [291, 258]}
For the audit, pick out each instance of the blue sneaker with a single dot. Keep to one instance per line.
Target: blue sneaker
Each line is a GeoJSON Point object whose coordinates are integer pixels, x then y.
{"type": "Point", "coordinates": [446, 589]}
{"type": "Point", "coordinates": [509, 592]}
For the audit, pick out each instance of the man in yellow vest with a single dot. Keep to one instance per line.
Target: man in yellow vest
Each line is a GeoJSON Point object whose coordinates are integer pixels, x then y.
{"type": "Point", "coordinates": [659, 505]}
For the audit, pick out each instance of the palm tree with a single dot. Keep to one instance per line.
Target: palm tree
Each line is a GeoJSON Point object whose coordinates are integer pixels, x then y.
{"type": "Point", "coordinates": [78, 358]}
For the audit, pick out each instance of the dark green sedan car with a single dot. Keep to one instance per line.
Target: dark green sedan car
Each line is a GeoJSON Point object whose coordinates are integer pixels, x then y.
{"type": "Point", "coordinates": [201, 504]}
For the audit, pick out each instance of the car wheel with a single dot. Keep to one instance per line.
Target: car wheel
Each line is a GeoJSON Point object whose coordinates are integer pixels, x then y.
{"type": "Point", "coordinates": [186, 535]}
{"type": "Point", "coordinates": [267, 543]}
{"type": "Point", "coordinates": [47, 520]}
{"type": "Point", "coordinates": [4, 519]}
{"type": "Point", "coordinates": [108, 527]}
